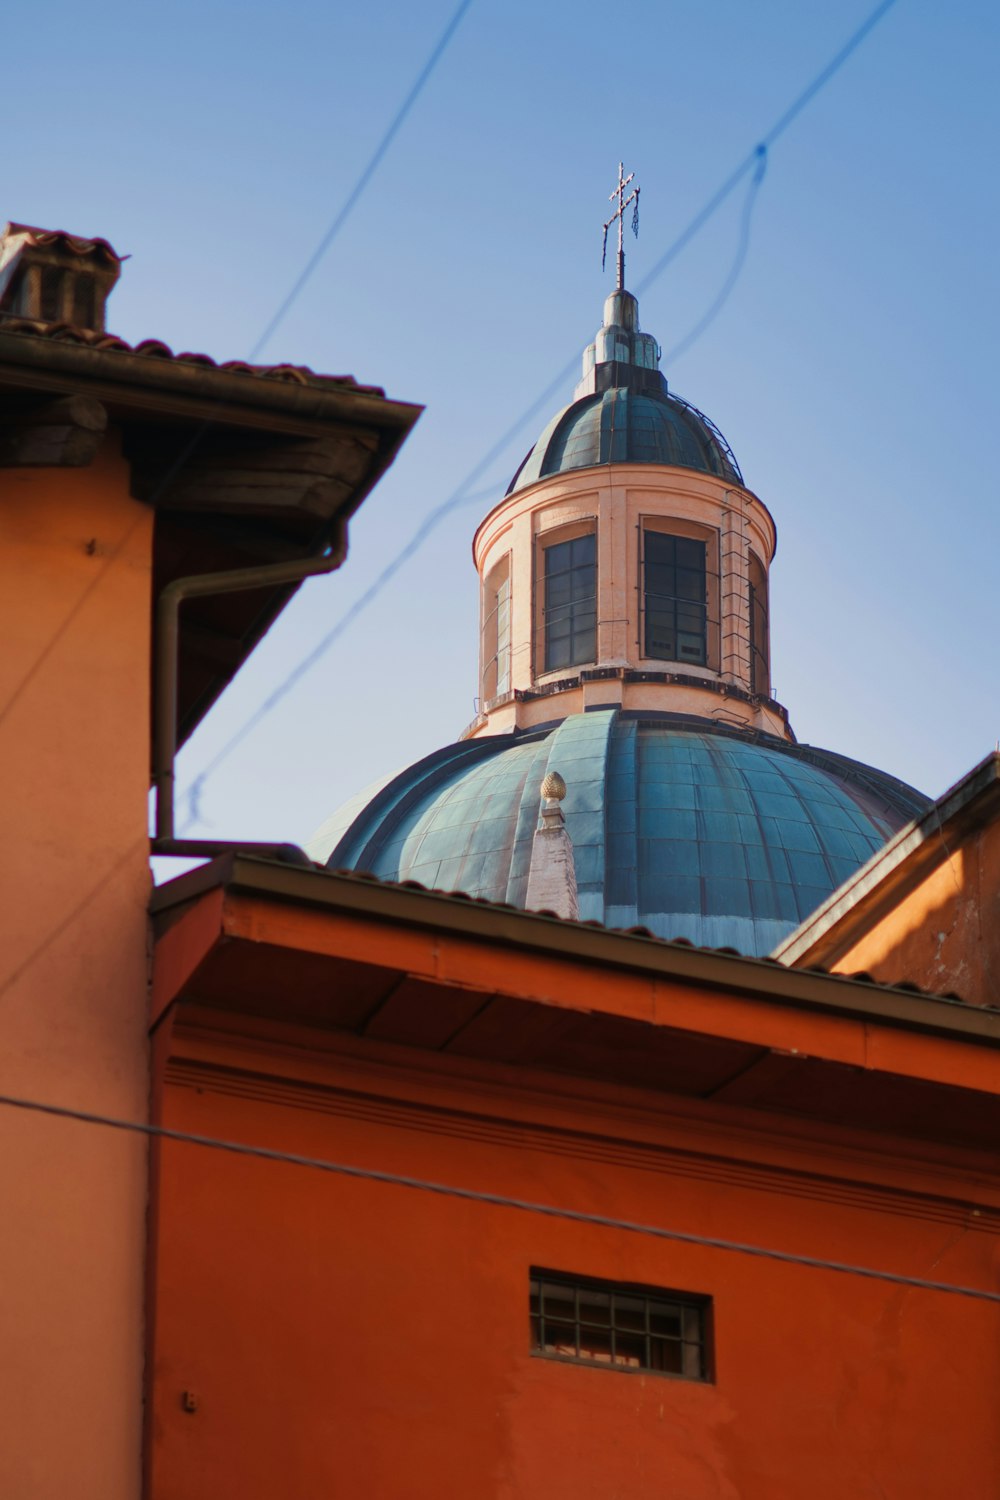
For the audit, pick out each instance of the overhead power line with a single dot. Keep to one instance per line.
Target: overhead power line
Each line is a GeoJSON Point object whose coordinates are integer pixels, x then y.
{"type": "Point", "coordinates": [753, 162]}
{"type": "Point", "coordinates": [364, 178]}
{"type": "Point", "coordinates": [498, 1200]}
{"type": "Point", "coordinates": [195, 441]}
{"type": "Point", "coordinates": [709, 317]}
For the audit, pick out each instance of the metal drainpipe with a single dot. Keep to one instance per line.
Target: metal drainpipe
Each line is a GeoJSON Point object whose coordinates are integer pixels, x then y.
{"type": "Point", "coordinates": [197, 586]}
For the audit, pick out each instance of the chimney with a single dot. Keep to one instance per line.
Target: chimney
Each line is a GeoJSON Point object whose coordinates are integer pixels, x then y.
{"type": "Point", "coordinates": [48, 276]}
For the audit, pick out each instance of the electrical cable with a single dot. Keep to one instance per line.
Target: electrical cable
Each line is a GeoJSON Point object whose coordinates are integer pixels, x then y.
{"type": "Point", "coordinates": [111, 557]}
{"type": "Point", "coordinates": [751, 163]}
{"type": "Point", "coordinates": [777, 130]}
{"type": "Point", "coordinates": [132, 851]}
{"type": "Point", "coordinates": [364, 177]}
{"type": "Point", "coordinates": [495, 1200]}
{"type": "Point", "coordinates": [285, 307]}
{"type": "Point", "coordinates": [708, 318]}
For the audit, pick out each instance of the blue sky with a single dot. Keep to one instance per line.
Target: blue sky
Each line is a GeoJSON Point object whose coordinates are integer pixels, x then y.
{"type": "Point", "coordinates": [852, 369]}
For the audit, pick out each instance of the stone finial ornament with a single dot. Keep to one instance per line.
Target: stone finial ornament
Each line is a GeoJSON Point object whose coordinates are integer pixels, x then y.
{"type": "Point", "coordinates": [552, 874]}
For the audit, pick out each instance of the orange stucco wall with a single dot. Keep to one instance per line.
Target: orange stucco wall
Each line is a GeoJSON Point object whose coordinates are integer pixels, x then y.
{"type": "Point", "coordinates": [74, 684]}
{"type": "Point", "coordinates": [339, 1337]}
{"type": "Point", "coordinates": [944, 935]}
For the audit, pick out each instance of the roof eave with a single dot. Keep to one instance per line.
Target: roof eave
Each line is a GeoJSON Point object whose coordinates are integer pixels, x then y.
{"type": "Point", "coordinates": [922, 846]}
{"type": "Point", "coordinates": [142, 386]}
{"type": "Point", "coordinates": [583, 943]}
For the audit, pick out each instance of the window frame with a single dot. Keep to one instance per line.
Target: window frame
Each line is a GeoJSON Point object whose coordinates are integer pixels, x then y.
{"type": "Point", "coordinates": [498, 577]}
{"type": "Point", "coordinates": [686, 531]}
{"type": "Point", "coordinates": [690, 1306]}
{"type": "Point", "coordinates": [760, 650]}
{"type": "Point", "coordinates": [556, 536]}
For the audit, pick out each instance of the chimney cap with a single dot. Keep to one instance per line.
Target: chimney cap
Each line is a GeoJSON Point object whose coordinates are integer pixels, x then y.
{"type": "Point", "coordinates": [49, 276]}
{"type": "Point", "coordinates": [17, 237]}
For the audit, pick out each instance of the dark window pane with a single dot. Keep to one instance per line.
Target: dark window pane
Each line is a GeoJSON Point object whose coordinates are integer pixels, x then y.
{"type": "Point", "coordinates": [558, 1303]}
{"type": "Point", "coordinates": [690, 585]}
{"type": "Point", "coordinates": [625, 1327]}
{"type": "Point", "coordinates": [690, 553]}
{"type": "Point", "coordinates": [666, 1355]}
{"type": "Point", "coordinates": [583, 550]}
{"type": "Point", "coordinates": [665, 1321]}
{"type": "Point", "coordinates": [660, 547]}
{"type": "Point", "coordinates": [557, 591]}
{"type": "Point", "coordinates": [630, 1312]}
{"type": "Point", "coordinates": [583, 582]}
{"type": "Point", "coordinates": [557, 655]}
{"type": "Point", "coordinates": [595, 1343]}
{"type": "Point", "coordinates": [690, 617]}
{"type": "Point", "coordinates": [595, 1308]}
{"type": "Point", "coordinates": [570, 602]}
{"type": "Point", "coordinates": [630, 1349]}
{"type": "Point", "coordinates": [675, 598]}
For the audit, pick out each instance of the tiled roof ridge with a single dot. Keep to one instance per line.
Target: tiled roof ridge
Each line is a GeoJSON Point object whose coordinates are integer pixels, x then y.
{"type": "Point", "coordinates": [644, 933]}
{"type": "Point", "coordinates": [77, 243]}
{"type": "Point", "coordinates": [157, 349]}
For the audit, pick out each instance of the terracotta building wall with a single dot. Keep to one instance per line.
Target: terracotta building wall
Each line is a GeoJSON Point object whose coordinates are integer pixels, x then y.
{"type": "Point", "coordinates": [324, 1336]}
{"type": "Point", "coordinates": [944, 934]}
{"type": "Point", "coordinates": [74, 683]}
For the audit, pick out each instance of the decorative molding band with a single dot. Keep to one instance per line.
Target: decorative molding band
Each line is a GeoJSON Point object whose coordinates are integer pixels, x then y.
{"type": "Point", "coordinates": [581, 1145]}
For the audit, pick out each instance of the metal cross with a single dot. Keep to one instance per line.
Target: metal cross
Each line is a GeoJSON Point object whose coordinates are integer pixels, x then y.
{"type": "Point", "coordinates": [619, 214]}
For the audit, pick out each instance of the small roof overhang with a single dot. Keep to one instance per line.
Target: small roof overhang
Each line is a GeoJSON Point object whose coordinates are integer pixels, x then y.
{"type": "Point", "coordinates": [243, 465]}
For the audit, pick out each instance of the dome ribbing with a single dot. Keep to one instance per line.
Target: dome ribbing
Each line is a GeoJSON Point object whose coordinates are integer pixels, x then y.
{"type": "Point", "coordinates": [691, 831]}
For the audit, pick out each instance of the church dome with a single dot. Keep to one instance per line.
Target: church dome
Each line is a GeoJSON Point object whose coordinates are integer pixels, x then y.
{"type": "Point", "coordinates": [628, 426]}
{"type": "Point", "coordinates": [625, 648]}
{"type": "Point", "coordinates": [725, 838]}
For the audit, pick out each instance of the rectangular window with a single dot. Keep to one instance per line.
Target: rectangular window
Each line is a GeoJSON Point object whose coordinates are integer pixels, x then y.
{"type": "Point", "coordinates": [676, 598]}
{"type": "Point", "coordinates": [496, 631]}
{"type": "Point", "coordinates": [570, 609]}
{"type": "Point", "coordinates": [760, 672]}
{"type": "Point", "coordinates": [628, 1327]}
{"type": "Point", "coordinates": [503, 637]}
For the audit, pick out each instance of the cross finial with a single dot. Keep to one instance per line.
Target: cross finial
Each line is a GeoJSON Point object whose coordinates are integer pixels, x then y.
{"type": "Point", "coordinates": [619, 214]}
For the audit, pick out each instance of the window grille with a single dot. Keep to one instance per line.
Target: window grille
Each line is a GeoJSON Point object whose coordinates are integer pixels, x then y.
{"type": "Point", "coordinates": [571, 602]}
{"type": "Point", "coordinates": [623, 1326]}
{"type": "Point", "coordinates": [676, 598]}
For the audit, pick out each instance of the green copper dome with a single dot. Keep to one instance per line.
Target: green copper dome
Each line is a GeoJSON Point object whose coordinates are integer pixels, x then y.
{"type": "Point", "coordinates": [623, 412]}
{"type": "Point", "coordinates": [623, 426]}
{"type": "Point", "coordinates": [727, 839]}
